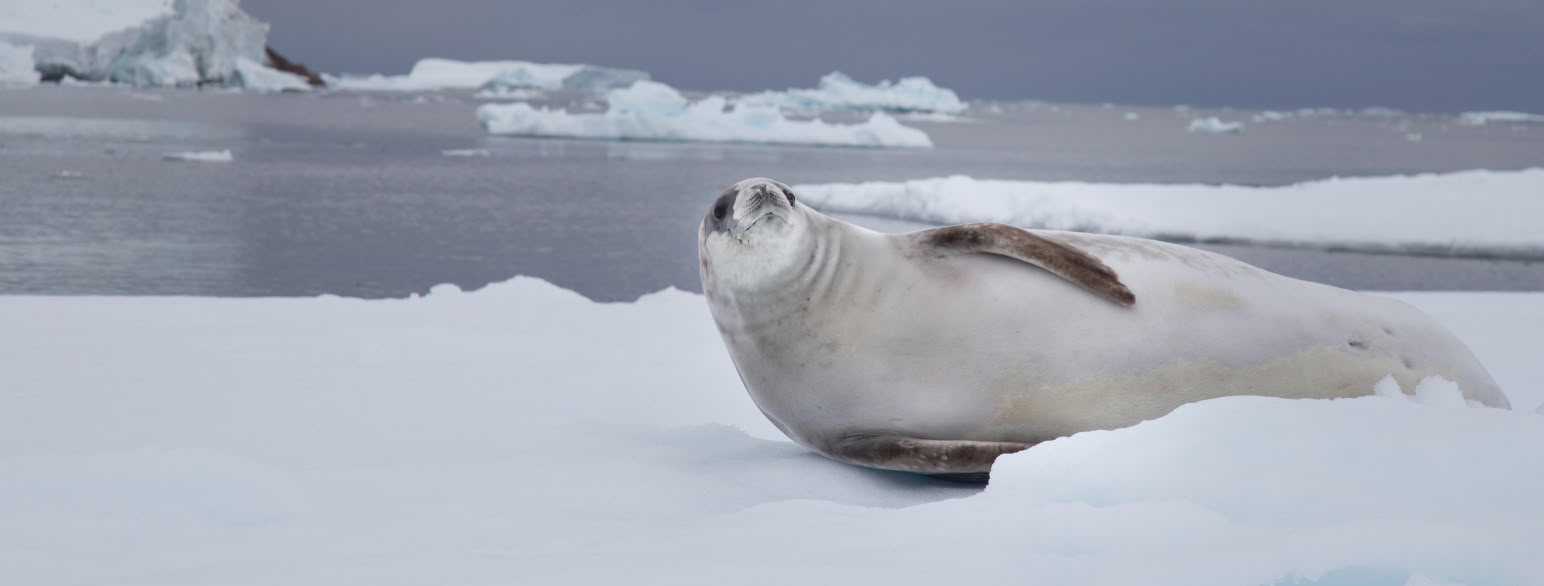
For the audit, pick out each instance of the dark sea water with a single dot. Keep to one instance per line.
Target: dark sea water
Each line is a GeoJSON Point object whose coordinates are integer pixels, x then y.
{"type": "Point", "coordinates": [350, 194]}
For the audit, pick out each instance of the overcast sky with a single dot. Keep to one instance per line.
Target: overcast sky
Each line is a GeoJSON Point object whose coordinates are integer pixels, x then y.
{"type": "Point", "coordinates": [1423, 55]}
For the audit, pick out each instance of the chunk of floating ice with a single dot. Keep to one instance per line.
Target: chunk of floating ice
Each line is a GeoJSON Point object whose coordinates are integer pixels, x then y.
{"type": "Point", "coordinates": [839, 92]}
{"type": "Point", "coordinates": [467, 153]}
{"type": "Point", "coordinates": [200, 156]}
{"type": "Point", "coordinates": [1214, 125]}
{"type": "Point", "coordinates": [1483, 118]}
{"type": "Point", "coordinates": [654, 111]}
{"type": "Point", "coordinates": [16, 66]}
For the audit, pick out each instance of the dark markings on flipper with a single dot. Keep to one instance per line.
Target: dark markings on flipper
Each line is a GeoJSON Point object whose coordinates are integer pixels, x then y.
{"type": "Point", "coordinates": [908, 454]}
{"type": "Point", "coordinates": [1062, 260]}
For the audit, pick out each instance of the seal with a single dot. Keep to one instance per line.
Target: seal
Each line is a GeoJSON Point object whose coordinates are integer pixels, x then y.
{"type": "Point", "coordinates": [938, 351]}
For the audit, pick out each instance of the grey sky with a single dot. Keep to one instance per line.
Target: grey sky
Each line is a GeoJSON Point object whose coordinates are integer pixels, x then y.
{"type": "Point", "coordinates": [1423, 55]}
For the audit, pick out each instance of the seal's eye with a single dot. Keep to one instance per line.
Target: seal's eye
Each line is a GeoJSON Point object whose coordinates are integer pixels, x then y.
{"type": "Point", "coordinates": [719, 210]}
{"type": "Point", "coordinates": [789, 193]}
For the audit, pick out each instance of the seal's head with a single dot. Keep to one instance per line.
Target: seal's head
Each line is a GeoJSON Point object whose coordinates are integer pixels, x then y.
{"type": "Point", "coordinates": [754, 231]}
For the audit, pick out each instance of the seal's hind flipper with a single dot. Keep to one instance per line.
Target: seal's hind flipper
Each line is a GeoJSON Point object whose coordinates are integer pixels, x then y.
{"type": "Point", "coordinates": [1059, 259]}
{"type": "Point", "coordinates": [909, 454]}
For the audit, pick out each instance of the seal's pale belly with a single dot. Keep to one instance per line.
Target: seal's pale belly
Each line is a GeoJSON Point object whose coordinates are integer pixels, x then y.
{"type": "Point", "coordinates": [980, 347]}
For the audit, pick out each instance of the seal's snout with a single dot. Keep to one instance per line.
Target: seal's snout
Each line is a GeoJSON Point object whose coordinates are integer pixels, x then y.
{"type": "Point", "coordinates": [747, 203]}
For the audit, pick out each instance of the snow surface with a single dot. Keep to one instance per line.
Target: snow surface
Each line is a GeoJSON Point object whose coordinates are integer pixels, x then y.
{"type": "Point", "coordinates": [435, 74]}
{"type": "Point", "coordinates": [524, 435]}
{"type": "Point", "coordinates": [157, 44]}
{"type": "Point", "coordinates": [1483, 118]}
{"type": "Point", "coordinates": [16, 66]}
{"type": "Point", "coordinates": [839, 92]}
{"type": "Point", "coordinates": [1214, 125]}
{"type": "Point", "coordinates": [1469, 212]}
{"type": "Point", "coordinates": [650, 110]}
{"type": "Point", "coordinates": [200, 156]}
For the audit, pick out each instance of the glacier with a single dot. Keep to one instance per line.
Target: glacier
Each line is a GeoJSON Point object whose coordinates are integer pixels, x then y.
{"type": "Point", "coordinates": [437, 74]}
{"type": "Point", "coordinates": [1477, 213]}
{"type": "Point", "coordinates": [649, 110]}
{"type": "Point", "coordinates": [17, 68]}
{"type": "Point", "coordinates": [837, 91]}
{"type": "Point", "coordinates": [148, 44]}
{"type": "Point", "coordinates": [468, 438]}
{"type": "Point", "coordinates": [1483, 118]}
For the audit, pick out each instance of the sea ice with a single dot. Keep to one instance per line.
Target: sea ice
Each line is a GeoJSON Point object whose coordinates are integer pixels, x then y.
{"type": "Point", "coordinates": [523, 434]}
{"type": "Point", "coordinates": [1483, 118]}
{"type": "Point", "coordinates": [223, 156]}
{"type": "Point", "coordinates": [1214, 125]}
{"type": "Point", "coordinates": [654, 111]}
{"type": "Point", "coordinates": [839, 92]}
{"type": "Point", "coordinates": [1481, 212]}
{"type": "Point", "coordinates": [466, 153]}
{"type": "Point", "coordinates": [434, 74]}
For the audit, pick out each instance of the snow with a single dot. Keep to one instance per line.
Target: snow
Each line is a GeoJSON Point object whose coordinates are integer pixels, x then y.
{"type": "Point", "coordinates": [654, 111]}
{"type": "Point", "coordinates": [1469, 212]}
{"type": "Point", "coordinates": [840, 92]}
{"type": "Point", "coordinates": [154, 44]}
{"type": "Point", "coordinates": [1214, 125]}
{"type": "Point", "coordinates": [436, 74]}
{"type": "Point", "coordinates": [16, 66]}
{"type": "Point", "coordinates": [523, 434]}
{"type": "Point", "coordinates": [200, 156]}
{"type": "Point", "coordinates": [1483, 118]}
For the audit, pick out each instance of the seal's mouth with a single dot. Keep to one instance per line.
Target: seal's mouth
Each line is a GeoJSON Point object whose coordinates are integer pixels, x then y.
{"type": "Point", "coordinates": [744, 227]}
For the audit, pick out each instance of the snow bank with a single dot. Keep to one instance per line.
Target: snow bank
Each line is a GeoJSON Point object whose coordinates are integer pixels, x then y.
{"type": "Point", "coordinates": [1214, 125]}
{"type": "Point", "coordinates": [839, 92]}
{"type": "Point", "coordinates": [16, 66]}
{"type": "Point", "coordinates": [1470, 212]}
{"type": "Point", "coordinates": [654, 111]}
{"type": "Point", "coordinates": [200, 156]}
{"type": "Point", "coordinates": [180, 43]}
{"type": "Point", "coordinates": [1483, 118]}
{"type": "Point", "coordinates": [434, 74]}
{"type": "Point", "coordinates": [522, 434]}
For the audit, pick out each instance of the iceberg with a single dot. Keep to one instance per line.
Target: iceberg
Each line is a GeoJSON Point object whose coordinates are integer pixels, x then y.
{"type": "Point", "coordinates": [1214, 125]}
{"type": "Point", "coordinates": [16, 66]}
{"type": "Point", "coordinates": [1483, 118]}
{"type": "Point", "coordinates": [468, 438]}
{"type": "Point", "coordinates": [436, 74]}
{"type": "Point", "coordinates": [1477, 213]}
{"type": "Point", "coordinates": [840, 92]}
{"type": "Point", "coordinates": [650, 110]}
{"type": "Point", "coordinates": [221, 156]}
{"type": "Point", "coordinates": [180, 43]}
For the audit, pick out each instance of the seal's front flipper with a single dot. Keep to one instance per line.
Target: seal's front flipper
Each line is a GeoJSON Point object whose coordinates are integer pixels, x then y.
{"type": "Point", "coordinates": [908, 454]}
{"type": "Point", "coordinates": [1060, 259]}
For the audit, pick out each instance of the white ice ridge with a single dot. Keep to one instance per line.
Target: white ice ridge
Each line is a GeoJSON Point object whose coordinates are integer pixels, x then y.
{"type": "Point", "coordinates": [839, 92]}
{"type": "Point", "coordinates": [1215, 125]}
{"type": "Point", "coordinates": [435, 74]}
{"type": "Point", "coordinates": [654, 111]}
{"type": "Point", "coordinates": [470, 438]}
{"type": "Point", "coordinates": [145, 43]}
{"type": "Point", "coordinates": [222, 156]}
{"type": "Point", "coordinates": [1483, 118]}
{"type": "Point", "coordinates": [1469, 212]}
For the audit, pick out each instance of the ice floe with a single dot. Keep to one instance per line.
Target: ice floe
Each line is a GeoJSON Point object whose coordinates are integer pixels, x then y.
{"type": "Point", "coordinates": [435, 74]}
{"type": "Point", "coordinates": [467, 153]}
{"type": "Point", "coordinates": [654, 111]}
{"type": "Point", "coordinates": [840, 92]}
{"type": "Point", "coordinates": [178, 43]}
{"type": "Point", "coordinates": [1470, 212]}
{"type": "Point", "coordinates": [1214, 125]}
{"type": "Point", "coordinates": [523, 434]}
{"type": "Point", "coordinates": [1483, 118]}
{"type": "Point", "coordinates": [221, 156]}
